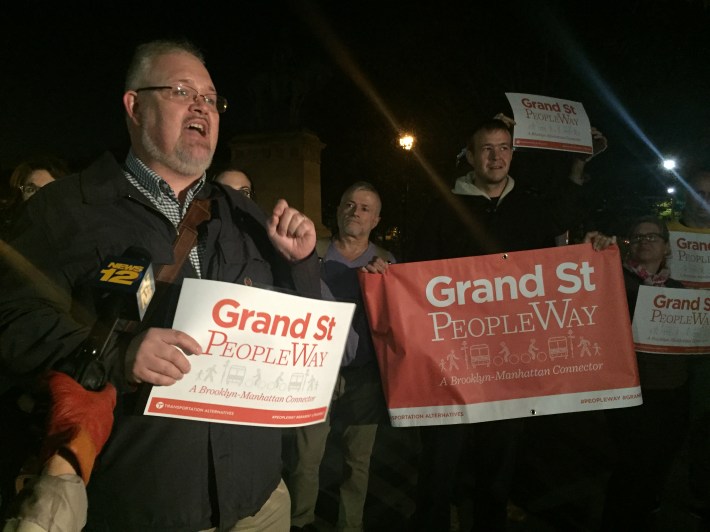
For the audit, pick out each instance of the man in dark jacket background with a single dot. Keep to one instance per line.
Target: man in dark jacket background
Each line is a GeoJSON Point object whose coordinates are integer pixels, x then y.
{"type": "Point", "coordinates": [486, 213]}
{"type": "Point", "coordinates": [156, 473]}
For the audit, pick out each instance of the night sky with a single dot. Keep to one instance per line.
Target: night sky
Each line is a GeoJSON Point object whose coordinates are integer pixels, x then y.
{"type": "Point", "coordinates": [356, 72]}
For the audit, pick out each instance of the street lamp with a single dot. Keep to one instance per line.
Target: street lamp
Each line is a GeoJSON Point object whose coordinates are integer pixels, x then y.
{"type": "Point", "coordinates": [406, 141]}
{"type": "Point", "coordinates": [669, 164]}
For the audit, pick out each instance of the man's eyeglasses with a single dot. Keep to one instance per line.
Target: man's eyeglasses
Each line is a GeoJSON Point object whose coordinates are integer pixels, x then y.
{"type": "Point", "coordinates": [648, 237]}
{"type": "Point", "coordinates": [29, 188]}
{"type": "Point", "coordinates": [185, 94]}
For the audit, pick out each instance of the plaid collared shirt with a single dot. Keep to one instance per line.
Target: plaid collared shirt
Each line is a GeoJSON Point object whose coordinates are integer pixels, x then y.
{"type": "Point", "coordinates": [161, 195]}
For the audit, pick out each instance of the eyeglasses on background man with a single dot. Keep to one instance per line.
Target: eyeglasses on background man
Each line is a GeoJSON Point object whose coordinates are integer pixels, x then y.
{"type": "Point", "coordinates": [647, 237]}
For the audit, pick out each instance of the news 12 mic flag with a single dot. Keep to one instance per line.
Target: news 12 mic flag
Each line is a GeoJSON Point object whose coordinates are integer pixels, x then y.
{"type": "Point", "coordinates": [503, 336]}
{"type": "Point", "coordinates": [123, 288]}
{"type": "Point", "coordinates": [130, 278]}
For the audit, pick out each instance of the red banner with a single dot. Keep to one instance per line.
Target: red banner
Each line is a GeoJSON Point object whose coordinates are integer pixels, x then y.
{"type": "Point", "coordinates": [503, 336]}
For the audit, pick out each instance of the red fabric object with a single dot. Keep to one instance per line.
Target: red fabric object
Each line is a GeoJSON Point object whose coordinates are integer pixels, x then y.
{"type": "Point", "coordinates": [79, 421]}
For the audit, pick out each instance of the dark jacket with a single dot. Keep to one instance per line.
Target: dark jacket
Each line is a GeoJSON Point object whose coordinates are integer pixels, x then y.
{"type": "Point", "coordinates": [468, 226]}
{"type": "Point", "coordinates": [155, 473]}
{"type": "Point", "coordinates": [656, 371]}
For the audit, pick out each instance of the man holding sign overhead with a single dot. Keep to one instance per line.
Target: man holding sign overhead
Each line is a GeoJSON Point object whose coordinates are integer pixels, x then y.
{"type": "Point", "coordinates": [488, 213]}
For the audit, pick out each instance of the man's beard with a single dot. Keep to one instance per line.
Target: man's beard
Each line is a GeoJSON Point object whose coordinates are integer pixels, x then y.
{"type": "Point", "coordinates": [180, 160]}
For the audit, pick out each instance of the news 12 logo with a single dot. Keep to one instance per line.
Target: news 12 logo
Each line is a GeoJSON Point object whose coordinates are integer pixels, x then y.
{"type": "Point", "coordinates": [132, 277]}
{"type": "Point", "coordinates": [121, 273]}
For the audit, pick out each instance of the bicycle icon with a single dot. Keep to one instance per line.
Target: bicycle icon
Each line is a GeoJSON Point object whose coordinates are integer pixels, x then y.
{"type": "Point", "coordinates": [277, 384]}
{"type": "Point", "coordinates": [507, 357]}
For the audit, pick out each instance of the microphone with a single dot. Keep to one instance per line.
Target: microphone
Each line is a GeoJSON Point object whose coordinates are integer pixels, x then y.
{"type": "Point", "coordinates": [123, 289]}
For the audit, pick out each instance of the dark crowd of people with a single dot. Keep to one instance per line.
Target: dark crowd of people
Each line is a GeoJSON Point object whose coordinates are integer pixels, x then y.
{"type": "Point", "coordinates": [101, 465]}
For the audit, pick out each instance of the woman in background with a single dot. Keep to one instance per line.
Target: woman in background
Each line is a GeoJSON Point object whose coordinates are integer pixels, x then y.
{"type": "Point", "coordinates": [647, 437]}
{"type": "Point", "coordinates": [26, 179]}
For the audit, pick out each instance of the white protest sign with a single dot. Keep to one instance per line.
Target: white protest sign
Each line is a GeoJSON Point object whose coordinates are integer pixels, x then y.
{"type": "Point", "coordinates": [550, 123]}
{"type": "Point", "coordinates": [672, 320]}
{"type": "Point", "coordinates": [270, 359]}
{"type": "Point", "coordinates": [690, 258]}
